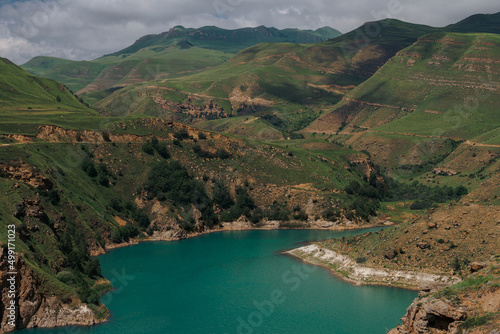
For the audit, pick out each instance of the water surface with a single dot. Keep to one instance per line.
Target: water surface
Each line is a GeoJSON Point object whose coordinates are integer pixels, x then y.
{"type": "Point", "coordinates": [237, 282]}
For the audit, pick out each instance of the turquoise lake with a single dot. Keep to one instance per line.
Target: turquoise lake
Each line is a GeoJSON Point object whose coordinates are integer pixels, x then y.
{"type": "Point", "coordinates": [237, 282]}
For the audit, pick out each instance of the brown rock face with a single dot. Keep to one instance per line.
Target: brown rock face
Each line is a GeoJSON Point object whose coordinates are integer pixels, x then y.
{"type": "Point", "coordinates": [32, 307]}
{"type": "Point", "coordinates": [432, 316]}
{"type": "Point", "coordinates": [27, 174]}
{"type": "Point", "coordinates": [390, 255]}
{"type": "Point", "coordinates": [422, 245]}
{"type": "Point", "coordinates": [474, 267]}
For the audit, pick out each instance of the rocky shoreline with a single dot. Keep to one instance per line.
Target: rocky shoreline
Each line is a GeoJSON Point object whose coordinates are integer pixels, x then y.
{"type": "Point", "coordinates": [33, 307]}
{"type": "Point", "coordinates": [38, 310]}
{"type": "Point", "coordinates": [347, 269]}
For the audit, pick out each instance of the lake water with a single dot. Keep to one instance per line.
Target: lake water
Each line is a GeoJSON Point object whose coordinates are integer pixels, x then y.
{"type": "Point", "coordinates": [237, 282]}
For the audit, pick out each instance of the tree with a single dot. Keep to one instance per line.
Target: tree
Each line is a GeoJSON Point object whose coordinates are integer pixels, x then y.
{"type": "Point", "coordinates": [102, 178]}
{"type": "Point", "coordinates": [58, 99]}
{"type": "Point", "coordinates": [162, 150]}
{"type": "Point", "coordinates": [148, 148]}
{"type": "Point", "coordinates": [89, 167]}
{"type": "Point", "coordinates": [222, 196]}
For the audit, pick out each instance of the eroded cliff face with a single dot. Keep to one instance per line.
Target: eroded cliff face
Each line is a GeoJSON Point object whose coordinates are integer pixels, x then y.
{"type": "Point", "coordinates": [469, 307]}
{"type": "Point", "coordinates": [34, 308]}
{"type": "Point", "coordinates": [431, 315]}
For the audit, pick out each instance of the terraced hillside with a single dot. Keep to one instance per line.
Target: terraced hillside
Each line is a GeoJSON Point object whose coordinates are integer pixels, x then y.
{"type": "Point", "coordinates": [444, 82]}
{"type": "Point", "coordinates": [438, 96]}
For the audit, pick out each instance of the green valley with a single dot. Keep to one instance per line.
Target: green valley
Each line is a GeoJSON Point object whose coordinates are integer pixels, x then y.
{"type": "Point", "coordinates": [393, 125]}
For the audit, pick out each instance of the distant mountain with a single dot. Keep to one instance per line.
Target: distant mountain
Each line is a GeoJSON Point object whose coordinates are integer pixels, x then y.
{"type": "Point", "coordinates": [231, 41]}
{"type": "Point", "coordinates": [74, 74]}
{"type": "Point", "coordinates": [180, 51]}
{"type": "Point", "coordinates": [489, 23]}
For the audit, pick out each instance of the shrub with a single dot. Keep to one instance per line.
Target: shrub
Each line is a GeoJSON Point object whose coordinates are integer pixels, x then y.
{"type": "Point", "coordinates": [300, 215]}
{"type": "Point", "coordinates": [105, 136]}
{"type": "Point", "coordinates": [242, 207]}
{"type": "Point", "coordinates": [278, 211]}
{"type": "Point", "coordinates": [170, 180]}
{"type": "Point", "coordinates": [141, 219]}
{"type": "Point", "coordinates": [154, 142]}
{"type": "Point", "coordinates": [331, 214]}
{"type": "Point", "coordinates": [89, 167]}
{"type": "Point", "coordinates": [257, 216]}
{"type": "Point", "coordinates": [162, 150]}
{"type": "Point", "coordinates": [52, 196]}
{"type": "Point", "coordinates": [361, 259]}
{"type": "Point", "coordinates": [221, 195]}
{"type": "Point", "coordinates": [102, 179]}
{"type": "Point", "coordinates": [222, 154]}
{"type": "Point", "coordinates": [124, 233]}
{"type": "Point", "coordinates": [473, 322]}
{"type": "Point", "coordinates": [421, 204]}
{"type": "Point", "coordinates": [182, 134]}
{"type": "Point", "coordinates": [92, 268]}
{"type": "Point", "coordinates": [67, 277]}
{"type": "Point", "coordinates": [148, 148]}
{"type": "Point", "coordinates": [461, 191]}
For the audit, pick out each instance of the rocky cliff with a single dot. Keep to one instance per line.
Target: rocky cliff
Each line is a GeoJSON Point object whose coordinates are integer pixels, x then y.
{"type": "Point", "coordinates": [33, 307]}
{"type": "Point", "coordinates": [472, 306]}
{"type": "Point", "coordinates": [431, 315]}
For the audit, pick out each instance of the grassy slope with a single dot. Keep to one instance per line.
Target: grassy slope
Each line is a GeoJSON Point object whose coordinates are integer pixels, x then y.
{"type": "Point", "coordinates": [487, 23]}
{"type": "Point", "coordinates": [443, 86]}
{"type": "Point", "coordinates": [20, 89]}
{"type": "Point", "coordinates": [28, 101]}
{"type": "Point", "coordinates": [178, 52]}
{"type": "Point", "coordinates": [428, 87]}
{"type": "Point", "coordinates": [86, 205]}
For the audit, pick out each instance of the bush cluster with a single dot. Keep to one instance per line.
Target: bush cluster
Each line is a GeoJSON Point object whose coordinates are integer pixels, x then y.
{"type": "Point", "coordinates": [150, 146]}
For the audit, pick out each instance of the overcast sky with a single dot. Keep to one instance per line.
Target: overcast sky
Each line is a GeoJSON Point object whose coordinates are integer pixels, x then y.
{"type": "Point", "coordinates": [87, 29]}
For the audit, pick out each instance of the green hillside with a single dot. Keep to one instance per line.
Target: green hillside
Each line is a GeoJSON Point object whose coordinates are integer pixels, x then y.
{"type": "Point", "coordinates": [285, 85]}
{"type": "Point", "coordinates": [28, 101]}
{"type": "Point", "coordinates": [21, 90]}
{"type": "Point", "coordinates": [175, 53]}
{"type": "Point", "coordinates": [446, 84]}
{"type": "Point", "coordinates": [42, 65]}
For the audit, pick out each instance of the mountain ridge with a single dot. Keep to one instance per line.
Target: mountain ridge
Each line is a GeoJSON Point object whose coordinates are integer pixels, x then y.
{"type": "Point", "coordinates": [244, 36]}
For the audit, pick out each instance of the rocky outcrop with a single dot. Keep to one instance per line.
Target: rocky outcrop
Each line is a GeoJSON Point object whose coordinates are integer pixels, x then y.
{"type": "Point", "coordinates": [27, 174]}
{"type": "Point", "coordinates": [444, 171]}
{"type": "Point", "coordinates": [430, 315]}
{"type": "Point", "coordinates": [33, 308]}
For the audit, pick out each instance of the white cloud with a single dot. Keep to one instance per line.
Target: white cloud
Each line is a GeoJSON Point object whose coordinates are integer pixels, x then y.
{"type": "Point", "coordinates": [86, 29]}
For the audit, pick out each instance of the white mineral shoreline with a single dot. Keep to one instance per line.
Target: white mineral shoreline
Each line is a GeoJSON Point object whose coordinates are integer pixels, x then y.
{"type": "Point", "coordinates": [347, 269]}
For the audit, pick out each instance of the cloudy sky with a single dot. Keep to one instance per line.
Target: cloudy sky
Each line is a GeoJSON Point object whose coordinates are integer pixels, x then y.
{"type": "Point", "coordinates": [87, 29]}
